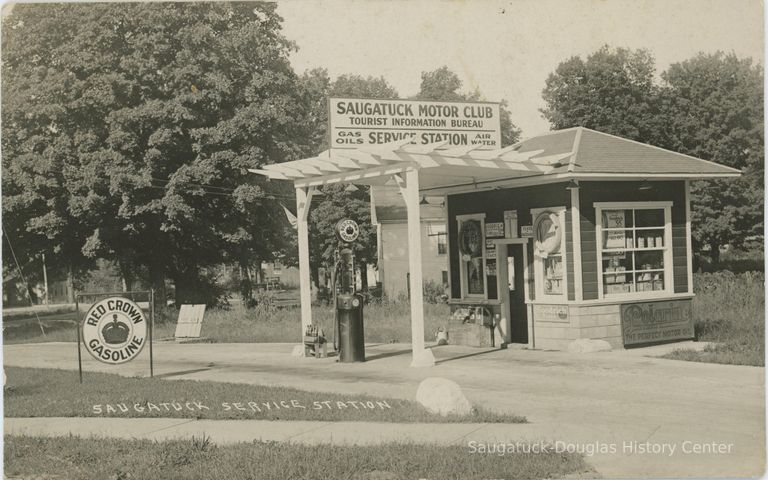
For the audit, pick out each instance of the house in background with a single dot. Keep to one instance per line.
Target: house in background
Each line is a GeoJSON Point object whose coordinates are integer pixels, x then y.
{"type": "Point", "coordinates": [276, 272]}
{"type": "Point", "coordinates": [389, 215]}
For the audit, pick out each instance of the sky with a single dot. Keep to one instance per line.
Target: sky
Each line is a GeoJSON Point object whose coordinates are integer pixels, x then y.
{"type": "Point", "coordinates": [507, 49]}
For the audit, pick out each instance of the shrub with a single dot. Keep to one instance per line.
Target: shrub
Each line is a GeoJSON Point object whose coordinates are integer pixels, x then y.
{"type": "Point", "coordinates": [729, 309]}
{"type": "Point", "coordinates": [434, 292]}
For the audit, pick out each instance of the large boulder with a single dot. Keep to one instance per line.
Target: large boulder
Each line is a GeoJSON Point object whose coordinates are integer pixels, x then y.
{"type": "Point", "coordinates": [588, 345]}
{"type": "Point", "coordinates": [443, 396]}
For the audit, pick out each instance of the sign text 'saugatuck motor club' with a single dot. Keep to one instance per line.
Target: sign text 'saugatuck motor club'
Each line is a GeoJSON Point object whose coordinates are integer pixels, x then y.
{"type": "Point", "coordinates": [114, 330]}
{"type": "Point", "coordinates": [358, 122]}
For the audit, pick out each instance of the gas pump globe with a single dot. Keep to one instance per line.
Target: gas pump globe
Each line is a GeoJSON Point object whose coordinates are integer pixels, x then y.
{"type": "Point", "coordinates": [349, 304]}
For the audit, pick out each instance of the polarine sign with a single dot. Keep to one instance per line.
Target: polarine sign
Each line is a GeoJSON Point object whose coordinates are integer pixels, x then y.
{"type": "Point", "coordinates": [358, 122]}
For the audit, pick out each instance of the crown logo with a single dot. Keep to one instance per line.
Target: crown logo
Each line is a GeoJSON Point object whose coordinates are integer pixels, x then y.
{"type": "Point", "coordinates": [115, 332]}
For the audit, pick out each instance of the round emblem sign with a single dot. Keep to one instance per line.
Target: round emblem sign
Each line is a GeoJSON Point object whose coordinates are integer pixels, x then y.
{"type": "Point", "coordinates": [548, 234]}
{"type": "Point", "coordinates": [114, 330]}
{"type": "Point", "coordinates": [347, 230]}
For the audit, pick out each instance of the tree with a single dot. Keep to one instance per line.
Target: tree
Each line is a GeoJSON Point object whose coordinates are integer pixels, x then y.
{"type": "Point", "coordinates": [128, 130]}
{"type": "Point", "coordinates": [714, 103]}
{"type": "Point", "coordinates": [613, 91]}
{"type": "Point", "coordinates": [710, 107]}
{"type": "Point", "coordinates": [443, 85]}
{"type": "Point", "coordinates": [336, 202]}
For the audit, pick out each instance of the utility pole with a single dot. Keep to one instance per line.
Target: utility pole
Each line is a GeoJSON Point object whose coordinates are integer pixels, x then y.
{"type": "Point", "coordinates": [45, 281]}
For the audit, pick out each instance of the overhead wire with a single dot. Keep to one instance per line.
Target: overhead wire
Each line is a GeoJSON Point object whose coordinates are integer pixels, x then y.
{"type": "Point", "coordinates": [205, 187]}
{"type": "Point", "coordinates": [24, 279]}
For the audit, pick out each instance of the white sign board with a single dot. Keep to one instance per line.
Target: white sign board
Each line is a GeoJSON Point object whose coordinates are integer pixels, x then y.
{"type": "Point", "coordinates": [494, 230]}
{"type": "Point", "coordinates": [190, 322]}
{"type": "Point", "coordinates": [355, 122]}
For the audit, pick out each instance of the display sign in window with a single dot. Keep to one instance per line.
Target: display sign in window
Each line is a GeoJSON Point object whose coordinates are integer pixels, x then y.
{"type": "Point", "coordinates": [633, 250]}
{"type": "Point", "coordinates": [472, 256]}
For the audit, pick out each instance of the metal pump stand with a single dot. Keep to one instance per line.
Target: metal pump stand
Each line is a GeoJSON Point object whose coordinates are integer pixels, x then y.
{"type": "Point", "coordinates": [348, 319]}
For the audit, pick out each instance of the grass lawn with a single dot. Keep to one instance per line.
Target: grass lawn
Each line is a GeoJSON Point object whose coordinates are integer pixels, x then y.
{"type": "Point", "coordinates": [34, 392]}
{"type": "Point", "coordinates": [730, 310]}
{"type": "Point", "coordinates": [384, 323]}
{"type": "Point", "coordinates": [29, 312]}
{"type": "Point", "coordinates": [197, 458]}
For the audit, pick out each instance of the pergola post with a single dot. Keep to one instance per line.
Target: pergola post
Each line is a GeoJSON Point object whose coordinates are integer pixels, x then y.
{"type": "Point", "coordinates": [303, 201]}
{"type": "Point", "coordinates": [410, 191]}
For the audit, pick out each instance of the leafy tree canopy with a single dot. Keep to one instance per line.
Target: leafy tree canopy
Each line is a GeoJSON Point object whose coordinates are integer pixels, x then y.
{"type": "Point", "coordinates": [443, 84]}
{"type": "Point", "coordinates": [128, 130]}
{"type": "Point", "coordinates": [612, 91]}
{"type": "Point", "coordinates": [710, 106]}
{"type": "Point", "coordinates": [714, 106]}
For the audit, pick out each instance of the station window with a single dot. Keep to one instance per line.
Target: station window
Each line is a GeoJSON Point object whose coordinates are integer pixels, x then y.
{"type": "Point", "coordinates": [440, 238]}
{"type": "Point", "coordinates": [472, 255]}
{"type": "Point", "coordinates": [634, 248]}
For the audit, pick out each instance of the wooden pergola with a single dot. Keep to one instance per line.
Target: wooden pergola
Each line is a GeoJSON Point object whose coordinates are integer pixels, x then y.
{"type": "Point", "coordinates": [414, 168]}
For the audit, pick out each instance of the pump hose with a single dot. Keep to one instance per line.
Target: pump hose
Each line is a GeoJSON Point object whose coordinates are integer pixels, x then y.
{"type": "Point", "coordinates": [336, 332]}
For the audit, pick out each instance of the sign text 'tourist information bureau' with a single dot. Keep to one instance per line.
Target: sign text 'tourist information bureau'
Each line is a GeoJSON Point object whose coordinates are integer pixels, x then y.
{"type": "Point", "coordinates": [357, 123]}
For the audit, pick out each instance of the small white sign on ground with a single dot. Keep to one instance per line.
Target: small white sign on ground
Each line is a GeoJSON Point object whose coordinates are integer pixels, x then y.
{"type": "Point", "coordinates": [190, 321]}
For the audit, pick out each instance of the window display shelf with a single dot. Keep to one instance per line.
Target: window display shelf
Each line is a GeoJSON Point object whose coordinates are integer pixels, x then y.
{"type": "Point", "coordinates": [632, 249]}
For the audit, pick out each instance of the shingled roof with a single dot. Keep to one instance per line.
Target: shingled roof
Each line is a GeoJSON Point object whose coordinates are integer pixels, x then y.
{"type": "Point", "coordinates": [574, 153]}
{"type": "Point", "coordinates": [596, 152]}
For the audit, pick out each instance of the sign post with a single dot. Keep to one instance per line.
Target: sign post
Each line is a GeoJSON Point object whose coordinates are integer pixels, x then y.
{"type": "Point", "coordinates": [79, 354]}
{"type": "Point", "coordinates": [151, 328]}
{"type": "Point", "coordinates": [115, 329]}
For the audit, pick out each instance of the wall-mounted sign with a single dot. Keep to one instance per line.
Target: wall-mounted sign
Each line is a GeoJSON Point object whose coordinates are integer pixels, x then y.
{"type": "Point", "coordinates": [490, 249]}
{"type": "Point", "coordinates": [526, 231]}
{"type": "Point", "coordinates": [551, 313]}
{"type": "Point", "coordinates": [114, 330]}
{"type": "Point", "coordinates": [656, 321]}
{"type": "Point", "coordinates": [510, 223]}
{"type": "Point", "coordinates": [356, 122]}
{"type": "Point", "coordinates": [494, 230]}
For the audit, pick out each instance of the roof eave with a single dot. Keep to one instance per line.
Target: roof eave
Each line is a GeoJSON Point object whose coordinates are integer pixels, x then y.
{"type": "Point", "coordinates": [655, 175]}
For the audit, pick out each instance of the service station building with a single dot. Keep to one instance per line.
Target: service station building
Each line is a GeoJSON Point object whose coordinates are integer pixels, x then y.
{"type": "Point", "coordinates": [574, 234]}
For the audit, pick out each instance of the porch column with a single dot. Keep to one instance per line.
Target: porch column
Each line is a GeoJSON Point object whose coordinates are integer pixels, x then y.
{"type": "Point", "coordinates": [576, 238]}
{"type": "Point", "coordinates": [410, 191]}
{"type": "Point", "coordinates": [303, 200]}
{"type": "Point", "coordinates": [688, 246]}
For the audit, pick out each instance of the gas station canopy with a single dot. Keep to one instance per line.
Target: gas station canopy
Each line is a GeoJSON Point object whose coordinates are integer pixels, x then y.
{"type": "Point", "coordinates": [440, 169]}
{"type": "Point", "coordinates": [578, 153]}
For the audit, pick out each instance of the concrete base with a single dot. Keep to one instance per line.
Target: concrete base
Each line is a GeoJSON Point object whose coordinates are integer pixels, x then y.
{"type": "Point", "coordinates": [423, 358]}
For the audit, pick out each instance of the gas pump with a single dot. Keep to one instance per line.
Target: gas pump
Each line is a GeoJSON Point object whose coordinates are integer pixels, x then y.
{"type": "Point", "coordinates": [348, 328]}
